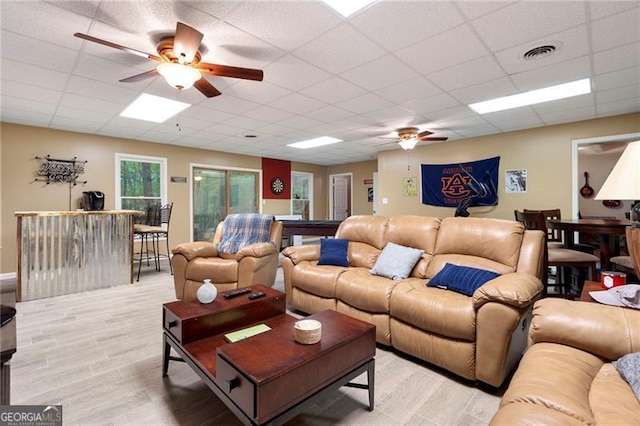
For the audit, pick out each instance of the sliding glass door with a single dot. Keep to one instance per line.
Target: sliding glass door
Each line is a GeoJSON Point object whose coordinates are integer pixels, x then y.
{"type": "Point", "coordinates": [217, 193]}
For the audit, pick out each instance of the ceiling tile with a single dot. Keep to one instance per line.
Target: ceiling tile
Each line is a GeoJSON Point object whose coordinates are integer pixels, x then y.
{"type": "Point", "coordinates": [287, 70]}
{"type": "Point", "coordinates": [453, 47]}
{"type": "Point", "coordinates": [14, 103]}
{"type": "Point", "coordinates": [395, 25]}
{"type": "Point", "coordinates": [408, 90]}
{"type": "Point", "coordinates": [365, 103]}
{"type": "Point", "coordinates": [470, 73]}
{"type": "Point", "coordinates": [568, 115]}
{"type": "Point", "coordinates": [29, 92]}
{"type": "Point", "coordinates": [331, 53]}
{"type": "Point", "coordinates": [329, 114]}
{"type": "Point", "coordinates": [230, 104]}
{"type": "Point", "coordinates": [615, 79]}
{"type": "Point", "coordinates": [627, 30]}
{"type": "Point", "coordinates": [616, 59]}
{"type": "Point", "coordinates": [370, 77]}
{"type": "Point", "coordinates": [90, 104]}
{"type": "Point", "coordinates": [297, 103]}
{"type": "Point", "coordinates": [570, 44]}
{"type": "Point", "coordinates": [287, 25]}
{"type": "Point", "coordinates": [511, 25]}
{"type": "Point", "coordinates": [619, 94]}
{"type": "Point", "coordinates": [257, 91]}
{"type": "Point", "coordinates": [485, 91]}
{"type": "Point", "coordinates": [476, 9]}
{"type": "Point", "coordinates": [32, 74]}
{"type": "Point", "coordinates": [267, 113]}
{"type": "Point", "coordinates": [104, 91]}
{"type": "Point", "coordinates": [559, 73]}
{"type": "Point", "coordinates": [31, 51]}
{"type": "Point", "coordinates": [601, 8]}
{"type": "Point", "coordinates": [431, 103]}
{"type": "Point", "coordinates": [27, 19]}
{"type": "Point", "coordinates": [333, 90]}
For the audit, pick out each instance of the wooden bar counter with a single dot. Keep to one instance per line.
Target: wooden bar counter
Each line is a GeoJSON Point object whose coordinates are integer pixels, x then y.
{"type": "Point", "coordinates": [72, 251]}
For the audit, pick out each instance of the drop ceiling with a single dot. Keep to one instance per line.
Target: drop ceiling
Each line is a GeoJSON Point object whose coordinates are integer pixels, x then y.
{"type": "Point", "coordinates": [394, 64]}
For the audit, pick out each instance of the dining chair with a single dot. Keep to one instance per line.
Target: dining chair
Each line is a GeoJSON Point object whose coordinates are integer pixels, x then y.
{"type": "Point", "coordinates": [627, 264]}
{"type": "Point", "coordinates": [558, 257]}
{"type": "Point", "coordinates": [555, 239]}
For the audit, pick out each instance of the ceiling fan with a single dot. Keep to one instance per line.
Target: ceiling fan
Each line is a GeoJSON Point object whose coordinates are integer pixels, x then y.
{"type": "Point", "coordinates": [408, 137]}
{"type": "Point", "coordinates": [180, 65]}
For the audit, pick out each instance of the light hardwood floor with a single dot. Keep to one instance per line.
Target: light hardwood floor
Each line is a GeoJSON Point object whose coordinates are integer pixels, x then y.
{"type": "Point", "coordinates": [98, 354]}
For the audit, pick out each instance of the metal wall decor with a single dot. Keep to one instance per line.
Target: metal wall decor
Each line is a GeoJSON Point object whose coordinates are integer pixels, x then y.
{"type": "Point", "coordinates": [55, 170]}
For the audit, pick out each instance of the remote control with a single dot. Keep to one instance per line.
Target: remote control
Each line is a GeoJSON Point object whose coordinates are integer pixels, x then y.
{"type": "Point", "coordinates": [237, 293]}
{"type": "Point", "coordinates": [257, 295]}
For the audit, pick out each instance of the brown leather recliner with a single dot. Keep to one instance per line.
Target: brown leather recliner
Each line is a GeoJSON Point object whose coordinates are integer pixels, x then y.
{"type": "Point", "coordinates": [566, 377]}
{"type": "Point", "coordinates": [253, 264]}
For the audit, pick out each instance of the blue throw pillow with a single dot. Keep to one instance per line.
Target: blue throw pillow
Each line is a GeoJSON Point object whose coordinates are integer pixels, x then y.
{"type": "Point", "coordinates": [461, 279]}
{"type": "Point", "coordinates": [333, 251]}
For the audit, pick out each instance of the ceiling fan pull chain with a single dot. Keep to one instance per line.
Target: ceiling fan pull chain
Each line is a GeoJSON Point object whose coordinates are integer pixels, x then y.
{"type": "Point", "coordinates": [178, 116]}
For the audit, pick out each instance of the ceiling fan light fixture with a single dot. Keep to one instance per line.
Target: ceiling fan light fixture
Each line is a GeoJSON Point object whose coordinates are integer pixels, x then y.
{"type": "Point", "coordinates": [178, 75]}
{"type": "Point", "coordinates": [408, 143]}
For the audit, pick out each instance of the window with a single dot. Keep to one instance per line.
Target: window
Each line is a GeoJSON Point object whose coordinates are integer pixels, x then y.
{"type": "Point", "coordinates": [219, 192]}
{"type": "Point", "coordinates": [141, 181]}
{"type": "Point", "coordinates": [302, 195]}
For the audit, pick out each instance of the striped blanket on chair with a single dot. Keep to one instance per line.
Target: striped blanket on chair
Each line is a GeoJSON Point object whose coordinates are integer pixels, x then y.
{"type": "Point", "coordinates": [243, 229]}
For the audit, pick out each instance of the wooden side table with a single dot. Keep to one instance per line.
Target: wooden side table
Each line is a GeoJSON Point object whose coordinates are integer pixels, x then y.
{"type": "Point", "coordinates": [589, 286]}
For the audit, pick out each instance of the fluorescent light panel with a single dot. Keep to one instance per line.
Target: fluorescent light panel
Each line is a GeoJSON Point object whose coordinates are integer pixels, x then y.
{"type": "Point", "coordinates": [560, 91]}
{"type": "Point", "coordinates": [348, 7]}
{"type": "Point", "coordinates": [153, 108]}
{"type": "Point", "coordinates": [313, 143]}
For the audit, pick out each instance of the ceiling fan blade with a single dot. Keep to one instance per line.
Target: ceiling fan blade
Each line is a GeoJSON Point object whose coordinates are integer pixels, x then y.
{"type": "Point", "coordinates": [424, 133]}
{"type": "Point", "coordinates": [228, 71]}
{"type": "Point", "coordinates": [206, 88]}
{"type": "Point", "coordinates": [186, 42]}
{"type": "Point", "coordinates": [119, 47]}
{"type": "Point", "coordinates": [435, 139]}
{"type": "Point", "coordinates": [140, 77]}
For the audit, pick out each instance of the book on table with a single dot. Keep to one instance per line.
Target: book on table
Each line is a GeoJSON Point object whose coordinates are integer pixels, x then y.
{"type": "Point", "coordinates": [238, 335]}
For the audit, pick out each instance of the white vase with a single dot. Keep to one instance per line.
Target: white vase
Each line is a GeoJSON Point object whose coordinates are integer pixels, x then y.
{"type": "Point", "coordinates": [207, 292]}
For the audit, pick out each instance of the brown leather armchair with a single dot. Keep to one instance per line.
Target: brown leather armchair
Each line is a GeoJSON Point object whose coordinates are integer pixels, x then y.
{"type": "Point", "coordinates": [253, 264]}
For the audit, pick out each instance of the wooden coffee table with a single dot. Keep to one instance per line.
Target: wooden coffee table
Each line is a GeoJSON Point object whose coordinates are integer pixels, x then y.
{"type": "Point", "coordinates": [269, 377]}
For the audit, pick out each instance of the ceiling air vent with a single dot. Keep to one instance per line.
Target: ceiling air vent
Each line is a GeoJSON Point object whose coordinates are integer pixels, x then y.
{"type": "Point", "coordinates": [539, 52]}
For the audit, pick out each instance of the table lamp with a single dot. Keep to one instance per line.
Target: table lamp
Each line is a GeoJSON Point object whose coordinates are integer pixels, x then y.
{"type": "Point", "coordinates": [623, 183]}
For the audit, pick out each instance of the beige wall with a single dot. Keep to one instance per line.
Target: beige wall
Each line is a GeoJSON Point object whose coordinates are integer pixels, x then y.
{"type": "Point", "coordinates": [545, 152]}
{"type": "Point", "coordinates": [21, 144]}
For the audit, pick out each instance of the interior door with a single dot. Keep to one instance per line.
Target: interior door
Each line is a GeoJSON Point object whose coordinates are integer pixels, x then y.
{"type": "Point", "coordinates": [341, 191]}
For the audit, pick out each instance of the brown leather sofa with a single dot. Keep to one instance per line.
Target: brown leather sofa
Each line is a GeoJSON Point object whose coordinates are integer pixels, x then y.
{"type": "Point", "coordinates": [253, 264]}
{"type": "Point", "coordinates": [566, 376]}
{"type": "Point", "coordinates": [479, 338]}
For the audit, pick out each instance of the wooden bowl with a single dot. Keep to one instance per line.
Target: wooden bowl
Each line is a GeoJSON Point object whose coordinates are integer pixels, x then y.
{"type": "Point", "coordinates": [307, 331]}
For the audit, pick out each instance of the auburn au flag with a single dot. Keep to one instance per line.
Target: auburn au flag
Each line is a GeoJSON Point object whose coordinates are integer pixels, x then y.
{"type": "Point", "coordinates": [446, 185]}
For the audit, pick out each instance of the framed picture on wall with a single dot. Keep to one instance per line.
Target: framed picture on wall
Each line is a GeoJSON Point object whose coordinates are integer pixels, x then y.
{"type": "Point", "coordinates": [515, 181]}
{"type": "Point", "coordinates": [409, 187]}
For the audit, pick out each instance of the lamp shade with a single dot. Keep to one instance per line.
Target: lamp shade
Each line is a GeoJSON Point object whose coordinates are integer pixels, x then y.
{"type": "Point", "coordinates": [408, 144]}
{"type": "Point", "coordinates": [178, 75]}
{"type": "Point", "coordinates": [623, 183]}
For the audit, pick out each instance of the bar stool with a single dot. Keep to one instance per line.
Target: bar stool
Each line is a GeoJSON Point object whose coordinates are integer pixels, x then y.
{"type": "Point", "coordinates": [161, 231]}
{"type": "Point", "coordinates": [142, 231]}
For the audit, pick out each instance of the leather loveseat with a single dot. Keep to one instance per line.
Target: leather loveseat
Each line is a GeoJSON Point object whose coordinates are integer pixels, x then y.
{"type": "Point", "coordinates": [479, 337]}
{"type": "Point", "coordinates": [566, 377]}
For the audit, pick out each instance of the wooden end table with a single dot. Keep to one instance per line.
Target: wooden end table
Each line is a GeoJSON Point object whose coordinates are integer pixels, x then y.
{"type": "Point", "coordinates": [269, 377]}
{"type": "Point", "coordinates": [586, 288]}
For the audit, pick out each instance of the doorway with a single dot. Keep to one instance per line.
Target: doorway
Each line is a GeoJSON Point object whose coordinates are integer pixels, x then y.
{"type": "Point", "coordinates": [340, 196]}
{"type": "Point", "coordinates": [577, 171]}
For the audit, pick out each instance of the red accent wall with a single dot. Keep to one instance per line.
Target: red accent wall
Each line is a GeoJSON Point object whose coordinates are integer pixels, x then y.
{"type": "Point", "coordinates": [276, 168]}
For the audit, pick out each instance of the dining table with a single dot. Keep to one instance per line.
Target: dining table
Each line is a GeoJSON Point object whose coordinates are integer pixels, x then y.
{"type": "Point", "coordinates": [608, 232]}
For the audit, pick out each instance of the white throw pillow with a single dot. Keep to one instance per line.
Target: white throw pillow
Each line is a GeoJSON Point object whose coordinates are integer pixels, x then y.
{"type": "Point", "coordinates": [396, 261]}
